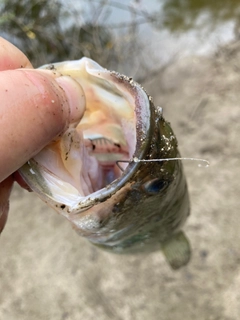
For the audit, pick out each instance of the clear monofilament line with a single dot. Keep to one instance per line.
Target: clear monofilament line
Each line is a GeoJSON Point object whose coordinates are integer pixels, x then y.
{"type": "Point", "coordinates": [204, 163]}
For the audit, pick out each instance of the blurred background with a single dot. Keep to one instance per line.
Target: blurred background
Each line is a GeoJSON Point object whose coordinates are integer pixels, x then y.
{"type": "Point", "coordinates": [118, 34]}
{"type": "Point", "coordinates": [186, 53]}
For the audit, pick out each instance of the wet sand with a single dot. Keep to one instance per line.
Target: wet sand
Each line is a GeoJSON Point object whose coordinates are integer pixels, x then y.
{"type": "Point", "coordinates": [48, 272]}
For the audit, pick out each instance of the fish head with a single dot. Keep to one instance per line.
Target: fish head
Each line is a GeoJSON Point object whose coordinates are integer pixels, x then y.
{"type": "Point", "coordinates": [99, 173]}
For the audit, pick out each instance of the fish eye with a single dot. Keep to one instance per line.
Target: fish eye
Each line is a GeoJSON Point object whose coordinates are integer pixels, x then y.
{"type": "Point", "coordinates": [154, 186]}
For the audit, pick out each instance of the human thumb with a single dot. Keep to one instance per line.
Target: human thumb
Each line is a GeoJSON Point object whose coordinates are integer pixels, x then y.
{"type": "Point", "coordinates": [36, 106]}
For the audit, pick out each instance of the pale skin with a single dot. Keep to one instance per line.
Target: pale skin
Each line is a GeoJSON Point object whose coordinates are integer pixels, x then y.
{"type": "Point", "coordinates": [36, 107]}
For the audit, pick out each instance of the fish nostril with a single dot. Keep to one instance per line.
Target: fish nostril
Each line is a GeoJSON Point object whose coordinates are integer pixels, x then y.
{"type": "Point", "coordinates": [154, 186]}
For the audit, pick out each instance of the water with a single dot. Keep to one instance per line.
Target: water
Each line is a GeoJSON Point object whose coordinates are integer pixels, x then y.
{"type": "Point", "coordinates": [179, 26]}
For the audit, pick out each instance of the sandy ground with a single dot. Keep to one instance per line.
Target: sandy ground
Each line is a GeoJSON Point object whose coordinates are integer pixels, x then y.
{"type": "Point", "coordinates": [48, 272]}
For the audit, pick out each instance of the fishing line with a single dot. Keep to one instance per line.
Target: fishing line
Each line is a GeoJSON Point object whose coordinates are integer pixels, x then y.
{"type": "Point", "coordinates": [204, 163]}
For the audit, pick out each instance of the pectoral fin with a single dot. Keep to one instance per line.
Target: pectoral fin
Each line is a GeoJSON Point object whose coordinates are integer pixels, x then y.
{"type": "Point", "coordinates": [177, 250]}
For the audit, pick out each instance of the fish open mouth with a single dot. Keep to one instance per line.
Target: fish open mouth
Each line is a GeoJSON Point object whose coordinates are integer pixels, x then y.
{"type": "Point", "coordinates": [84, 160]}
{"type": "Point", "coordinates": [140, 205]}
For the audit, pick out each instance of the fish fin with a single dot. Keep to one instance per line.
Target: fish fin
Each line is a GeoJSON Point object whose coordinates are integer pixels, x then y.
{"type": "Point", "coordinates": [177, 250]}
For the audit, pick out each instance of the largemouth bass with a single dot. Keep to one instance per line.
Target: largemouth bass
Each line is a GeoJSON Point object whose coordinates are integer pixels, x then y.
{"type": "Point", "coordinates": [103, 173]}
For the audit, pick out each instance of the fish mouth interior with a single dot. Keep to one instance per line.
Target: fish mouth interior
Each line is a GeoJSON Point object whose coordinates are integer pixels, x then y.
{"type": "Point", "coordinates": [84, 160]}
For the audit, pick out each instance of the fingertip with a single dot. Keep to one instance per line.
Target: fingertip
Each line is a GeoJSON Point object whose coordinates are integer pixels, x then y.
{"type": "Point", "coordinates": [62, 93]}
{"type": "Point", "coordinates": [75, 98]}
{"type": "Point", "coordinates": [18, 178]}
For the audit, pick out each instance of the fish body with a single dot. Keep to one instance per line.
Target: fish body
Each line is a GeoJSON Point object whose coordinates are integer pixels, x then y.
{"type": "Point", "coordinates": [100, 176]}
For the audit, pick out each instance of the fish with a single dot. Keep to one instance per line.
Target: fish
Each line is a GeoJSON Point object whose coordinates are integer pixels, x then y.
{"type": "Point", "coordinates": [111, 175]}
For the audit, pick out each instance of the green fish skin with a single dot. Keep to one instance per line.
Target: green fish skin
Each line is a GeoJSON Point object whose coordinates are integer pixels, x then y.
{"type": "Point", "coordinates": [153, 209]}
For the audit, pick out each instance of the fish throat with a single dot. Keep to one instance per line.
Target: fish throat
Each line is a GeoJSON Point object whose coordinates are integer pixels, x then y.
{"type": "Point", "coordinates": [107, 153]}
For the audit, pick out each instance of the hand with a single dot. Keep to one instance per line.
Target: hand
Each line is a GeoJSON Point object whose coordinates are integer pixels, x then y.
{"type": "Point", "coordinates": [36, 106]}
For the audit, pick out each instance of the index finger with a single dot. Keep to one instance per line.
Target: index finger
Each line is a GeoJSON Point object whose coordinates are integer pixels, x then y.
{"type": "Point", "coordinates": [11, 57]}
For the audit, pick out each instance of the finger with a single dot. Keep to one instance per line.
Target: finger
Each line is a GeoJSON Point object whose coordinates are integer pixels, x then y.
{"type": "Point", "coordinates": [11, 57]}
{"type": "Point", "coordinates": [5, 190]}
{"type": "Point", "coordinates": [19, 179]}
{"type": "Point", "coordinates": [36, 106]}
